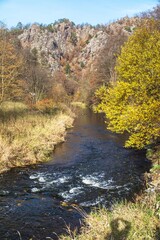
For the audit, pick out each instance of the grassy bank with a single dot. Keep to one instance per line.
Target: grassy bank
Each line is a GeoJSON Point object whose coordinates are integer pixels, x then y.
{"type": "Point", "coordinates": [28, 137]}
{"type": "Point", "coordinates": [128, 220]}
{"type": "Point", "coordinates": [79, 104]}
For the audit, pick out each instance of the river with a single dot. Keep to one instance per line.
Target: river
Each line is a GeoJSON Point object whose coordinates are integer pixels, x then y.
{"type": "Point", "coordinates": [90, 169]}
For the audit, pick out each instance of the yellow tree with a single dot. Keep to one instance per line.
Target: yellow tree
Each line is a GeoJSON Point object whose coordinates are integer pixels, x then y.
{"type": "Point", "coordinates": [10, 64]}
{"type": "Point", "coordinates": [133, 103]}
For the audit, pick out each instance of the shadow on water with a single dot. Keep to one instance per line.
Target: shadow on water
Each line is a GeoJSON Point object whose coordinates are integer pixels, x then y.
{"type": "Point", "coordinates": [91, 168]}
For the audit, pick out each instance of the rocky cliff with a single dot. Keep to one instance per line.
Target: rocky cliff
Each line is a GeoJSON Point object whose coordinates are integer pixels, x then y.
{"type": "Point", "coordinates": [69, 48]}
{"type": "Point", "coordinates": [64, 41]}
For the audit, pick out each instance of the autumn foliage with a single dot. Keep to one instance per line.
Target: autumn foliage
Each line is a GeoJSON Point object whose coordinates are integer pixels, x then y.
{"type": "Point", "coordinates": [45, 105]}
{"type": "Point", "coordinates": [132, 103]}
{"type": "Point", "coordinates": [10, 64]}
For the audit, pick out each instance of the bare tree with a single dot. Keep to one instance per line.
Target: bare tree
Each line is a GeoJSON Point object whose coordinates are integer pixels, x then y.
{"type": "Point", "coordinates": [36, 77]}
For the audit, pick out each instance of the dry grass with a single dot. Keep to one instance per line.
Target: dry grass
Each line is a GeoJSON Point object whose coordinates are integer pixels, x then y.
{"type": "Point", "coordinates": [128, 221]}
{"type": "Point", "coordinates": [79, 104]}
{"type": "Point", "coordinates": [28, 138]}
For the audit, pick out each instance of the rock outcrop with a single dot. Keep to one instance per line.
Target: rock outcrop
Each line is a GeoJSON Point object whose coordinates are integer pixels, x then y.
{"type": "Point", "coordinates": [65, 42]}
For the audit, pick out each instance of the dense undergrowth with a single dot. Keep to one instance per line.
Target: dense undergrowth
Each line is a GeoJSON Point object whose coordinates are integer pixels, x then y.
{"type": "Point", "coordinates": [29, 136]}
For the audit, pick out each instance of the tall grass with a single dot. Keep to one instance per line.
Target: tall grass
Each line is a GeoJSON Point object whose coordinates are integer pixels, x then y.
{"type": "Point", "coordinates": [127, 221]}
{"type": "Point", "coordinates": [28, 137]}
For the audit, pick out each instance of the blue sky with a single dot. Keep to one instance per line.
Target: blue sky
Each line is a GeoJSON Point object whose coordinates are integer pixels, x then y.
{"type": "Point", "coordinates": [78, 11]}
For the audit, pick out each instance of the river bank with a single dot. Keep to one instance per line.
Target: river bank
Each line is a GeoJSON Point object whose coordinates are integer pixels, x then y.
{"type": "Point", "coordinates": [95, 150]}
{"type": "Point", "coordinates": [29, 137]}
{"type": "Point", "coordinates": [139, 219]}
{"type": "Point", "coordinates": [91, 168]}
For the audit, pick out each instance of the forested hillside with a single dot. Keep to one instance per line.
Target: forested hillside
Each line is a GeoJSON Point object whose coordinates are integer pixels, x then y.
{"type": "Point", "coordinates": [47, 70]}
{"type": "Point", "coordinates": [62, 60]}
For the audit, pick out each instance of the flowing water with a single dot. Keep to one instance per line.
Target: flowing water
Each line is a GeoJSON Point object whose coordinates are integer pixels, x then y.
{"type": "Point", "coordinates": [90, 169]}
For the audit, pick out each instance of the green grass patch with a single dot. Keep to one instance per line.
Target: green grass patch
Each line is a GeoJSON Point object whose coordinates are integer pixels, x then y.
{"type": "Point", "coordinates": [155, 167]}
